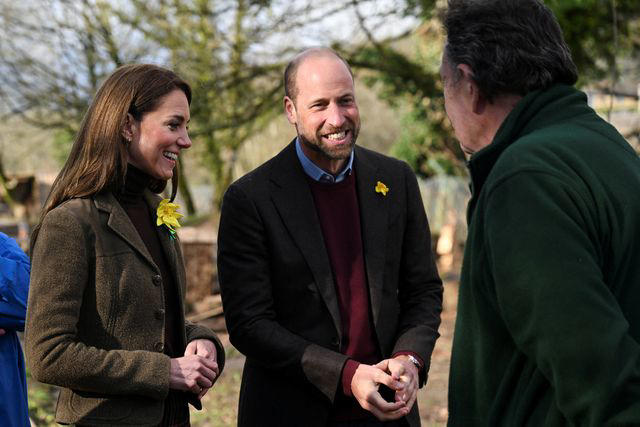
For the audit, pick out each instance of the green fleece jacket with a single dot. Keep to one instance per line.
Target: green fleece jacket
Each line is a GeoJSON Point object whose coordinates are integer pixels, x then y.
{"type": "Point", "coordinates": [548, 327]}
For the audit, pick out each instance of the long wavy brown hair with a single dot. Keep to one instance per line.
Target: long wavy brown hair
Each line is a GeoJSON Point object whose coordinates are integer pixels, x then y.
{"type": "Point", "coordinates": [98, 158]}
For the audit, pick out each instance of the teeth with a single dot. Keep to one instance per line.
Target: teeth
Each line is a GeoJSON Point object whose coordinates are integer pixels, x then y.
{"type": "Point", "coordinates": [170, 155]}
{"type": "Point", "coordinates": [338, 135]}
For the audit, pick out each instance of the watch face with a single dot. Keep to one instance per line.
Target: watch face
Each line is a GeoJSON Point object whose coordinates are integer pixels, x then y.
{"type": "Point", "coordinates": [414, 361]}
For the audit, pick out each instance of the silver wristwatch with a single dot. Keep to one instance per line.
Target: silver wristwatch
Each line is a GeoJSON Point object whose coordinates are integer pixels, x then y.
{"type": "Point", "coordinates": [413, 360]}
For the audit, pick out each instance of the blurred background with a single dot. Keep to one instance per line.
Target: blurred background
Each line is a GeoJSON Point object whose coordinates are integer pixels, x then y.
{"type": "Point", "coordinates": [54, 54]}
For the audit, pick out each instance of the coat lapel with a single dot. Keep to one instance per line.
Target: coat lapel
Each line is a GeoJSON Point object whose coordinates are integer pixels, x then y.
{"type": "Point", "coordinates": [120, 223]}
{"type": "Point", "coordinates": [294, 201]}
{"type": "Point", "coordinates": [374, 208]}
{"type": "Point", "coordinates": [168, 244]}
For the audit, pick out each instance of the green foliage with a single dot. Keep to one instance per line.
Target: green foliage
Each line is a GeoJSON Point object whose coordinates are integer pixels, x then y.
{"type": "Point", "coordinates": [420, 8]}
{"type": "Point", "coordinates": [42, 402]}
{"type": "Point", "coordinates": [422, 145]}
{"type": "Point", "coordinates": [411, 83]}
{"type": "Point", "coordinates": [220, 404]}
{"type": "Point", "coordinates": [62, 141]}
{"type": "Point", "coordinates": [597, 31]}
{"type": "Point", "coordinates": [400, 75]}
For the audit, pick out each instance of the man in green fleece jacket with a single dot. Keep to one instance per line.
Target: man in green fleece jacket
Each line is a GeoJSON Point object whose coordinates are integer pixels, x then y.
{"type": "Point", "coordinates": [548, 327]}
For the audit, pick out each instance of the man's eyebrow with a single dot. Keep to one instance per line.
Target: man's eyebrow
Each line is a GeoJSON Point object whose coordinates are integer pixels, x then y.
{"type": "Point", "coordinates": [315, 100]}
{"type": "Point", "coordinates": [349, 94]}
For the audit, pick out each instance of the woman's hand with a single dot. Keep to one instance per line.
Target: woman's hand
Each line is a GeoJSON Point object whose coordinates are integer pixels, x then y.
{"type": "Point", "coordinates": [193, 372]}
{"type": "Point", "coordinates": [206, 349]}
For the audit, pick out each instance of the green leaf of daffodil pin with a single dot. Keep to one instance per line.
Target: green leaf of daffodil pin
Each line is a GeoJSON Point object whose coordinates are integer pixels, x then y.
{"type": "Point", "coordinates": [381, 188]}
{"type": "Point", "coordinates": [168, 216]}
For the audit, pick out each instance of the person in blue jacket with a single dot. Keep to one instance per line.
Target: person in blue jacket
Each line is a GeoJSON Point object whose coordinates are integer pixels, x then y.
{"type": "Point", "coordinates": [14, 288]}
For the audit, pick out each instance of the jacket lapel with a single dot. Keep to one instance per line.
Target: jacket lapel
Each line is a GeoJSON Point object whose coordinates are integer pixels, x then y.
{"type": "Point", "coordinates": [120, 223]}
{"type": "Point", "coordinates": [294, 201]}
{"type": "Point", "coordinates": [168, 244]}
{"type": "Point", "coordinates": [374, 208]}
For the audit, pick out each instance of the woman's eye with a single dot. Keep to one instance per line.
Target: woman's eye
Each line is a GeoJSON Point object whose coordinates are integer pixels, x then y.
{"type": "Point", "coordinates": [172, 126]}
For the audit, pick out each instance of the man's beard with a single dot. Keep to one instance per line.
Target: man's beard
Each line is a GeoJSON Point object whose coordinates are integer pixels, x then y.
{"type": "Point", "coordinates": [332, 153]}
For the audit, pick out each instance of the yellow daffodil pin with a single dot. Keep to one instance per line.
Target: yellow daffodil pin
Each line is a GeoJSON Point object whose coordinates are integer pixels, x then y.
{"type": "Point", "coordinates": [381, 188]}
{"type": "Point", "coordinates": [168, 216]}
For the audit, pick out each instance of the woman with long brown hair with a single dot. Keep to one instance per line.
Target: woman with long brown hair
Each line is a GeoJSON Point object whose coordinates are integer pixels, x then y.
{"type": "Point", "coordinates": [105, 317]}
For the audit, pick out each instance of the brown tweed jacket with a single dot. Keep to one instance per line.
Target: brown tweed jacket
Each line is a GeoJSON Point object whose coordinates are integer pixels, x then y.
{"type": "Point", "coordinates": [95, 324]}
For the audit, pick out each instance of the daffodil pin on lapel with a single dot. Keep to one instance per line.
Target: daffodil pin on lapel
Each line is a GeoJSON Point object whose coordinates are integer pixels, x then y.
{"type": "Point", "coordinates": [168, 215]}
{"type": "Point", "coordinates": [381, 188]}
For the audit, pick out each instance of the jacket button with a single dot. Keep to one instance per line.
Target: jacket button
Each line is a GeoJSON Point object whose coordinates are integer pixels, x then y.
{"type": "Point", "coordinates": [157, 280]}
{"type": "Point", "coordinates": [159, 314]}
{"type": "Point", "coordinates": [159, 346]}
{"type": "Point", "coordinates": [335, 343]}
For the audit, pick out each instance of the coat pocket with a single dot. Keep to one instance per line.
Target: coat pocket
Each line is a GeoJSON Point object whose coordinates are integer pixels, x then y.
{"type": "Point", "coordinates": [92, 406]}
{"type": "Point", "coordinates": [85, 408]}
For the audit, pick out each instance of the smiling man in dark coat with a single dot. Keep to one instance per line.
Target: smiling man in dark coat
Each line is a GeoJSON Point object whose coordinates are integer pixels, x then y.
{"type": "Point", "coordinates": [548, 327]}
{"type": "Point", "coordinates": [325, 264]}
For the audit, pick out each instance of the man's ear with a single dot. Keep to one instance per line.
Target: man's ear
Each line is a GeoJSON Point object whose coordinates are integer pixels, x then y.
{"type": "Point", "coordinates": [129, 129]}
{"type": "Point", "coordinates": [290, 110]}
{"type": "Point", "coordinates": [477, 100]}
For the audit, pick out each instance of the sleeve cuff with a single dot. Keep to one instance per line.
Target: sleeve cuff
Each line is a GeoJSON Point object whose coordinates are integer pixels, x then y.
{"type": "Point", "coordinates": [348, 371]}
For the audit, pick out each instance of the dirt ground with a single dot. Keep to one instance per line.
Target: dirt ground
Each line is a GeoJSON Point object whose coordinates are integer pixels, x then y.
{"type": "Point", "coordinates": [432, 399]}
{"type": "Point", "coordinates": [220, 404]}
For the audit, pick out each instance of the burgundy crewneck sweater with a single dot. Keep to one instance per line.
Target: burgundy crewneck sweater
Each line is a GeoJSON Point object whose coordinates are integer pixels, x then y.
{"type": "Point", "coordinates": [339, 215]}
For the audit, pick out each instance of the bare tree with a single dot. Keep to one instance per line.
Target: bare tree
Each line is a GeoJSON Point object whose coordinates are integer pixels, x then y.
{"type": "Point", "coordinates": [55, 53]}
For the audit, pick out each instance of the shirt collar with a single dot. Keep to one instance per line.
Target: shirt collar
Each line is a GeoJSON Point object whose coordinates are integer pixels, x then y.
{"type": "Point", "coordinates": [318, 174]}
